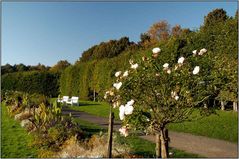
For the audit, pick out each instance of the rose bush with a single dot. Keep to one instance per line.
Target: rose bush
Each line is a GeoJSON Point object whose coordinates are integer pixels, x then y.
{"type": "Point", "coordinates": [157, 92]}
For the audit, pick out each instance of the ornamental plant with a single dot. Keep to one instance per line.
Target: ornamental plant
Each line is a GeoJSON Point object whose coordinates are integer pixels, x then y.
{"type": "Point", "coordinates": [156, 92]}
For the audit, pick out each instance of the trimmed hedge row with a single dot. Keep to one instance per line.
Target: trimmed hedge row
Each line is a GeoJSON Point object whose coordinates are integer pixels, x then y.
{"type": "Point", "coordinates": [44, 82]}
{"type": "Point", "coordinates": [83, 78]}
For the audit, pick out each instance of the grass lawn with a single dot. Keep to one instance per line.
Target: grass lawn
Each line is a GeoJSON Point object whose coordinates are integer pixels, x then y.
{"type": "Point", "coordinates": [96, 108]}
{"type": "Point", "coordinates": [15, 139]}
{"type": "Point", "coordinates": [222, 126]}
{"type": "Point", "coordinates": [137, 145]}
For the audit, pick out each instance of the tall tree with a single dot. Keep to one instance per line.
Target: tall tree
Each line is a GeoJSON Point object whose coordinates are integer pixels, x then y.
{"type": "Point", "coordinates": [144, 37]}
{"type": "Point", "coordinates": [176, 31]}
{"type": "Point", "coordinates": [214, 17]}
{"type": "Point", "coordinates": [159, 31]}
{"type": "Point", "coordinates": [21, 67]}
{"type": "Point", "coordinates": [60, 66]}
{"type": "Point", "coordinates": [7, 69]}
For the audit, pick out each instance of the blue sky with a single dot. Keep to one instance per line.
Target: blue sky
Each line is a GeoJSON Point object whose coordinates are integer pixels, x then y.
{"type": "Point", "coordinates": [44, 32]}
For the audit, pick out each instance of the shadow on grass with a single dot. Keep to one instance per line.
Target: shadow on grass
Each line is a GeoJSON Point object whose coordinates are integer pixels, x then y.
{"type": "Point", "coordinates": [89, 128]}
{"type": "Point", "coordinates": [92, 130]}
{"type": "Point", "coordinates": [87, 104]}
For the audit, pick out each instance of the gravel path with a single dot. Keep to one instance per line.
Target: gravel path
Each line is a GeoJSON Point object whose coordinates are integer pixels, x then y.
{"type": "Point", "coordinates": [200, 145]}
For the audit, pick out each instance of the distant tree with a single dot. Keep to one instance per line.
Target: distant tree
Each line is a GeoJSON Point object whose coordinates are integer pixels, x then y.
{"type": "Point", "coordinates": [186, 31]}
{"type": "Point", "coordinates": [87, 55]}
{"type": "Point", "coordinates": [21, 67]}
{"type": "Point", "coordinates": [7, 69]}
{"type": "Point", "coordinates": [144, 37]}
{"type": "Point", "coordinates": [60, 66]}
{"type": "Point", "coordinates": [159, 31]}
{"type": "Point", "coordinates": [176, 31]}
{"type": "Point", "coordinates": [214, 17]}
{"type": "Point", "coordinates": [106, 49]}
{"type": "Point", "coordinates": [39, 67]}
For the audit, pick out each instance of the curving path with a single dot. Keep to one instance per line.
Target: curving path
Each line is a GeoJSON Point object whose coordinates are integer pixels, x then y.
{"type": "Point", "coordinates": [200, 145]}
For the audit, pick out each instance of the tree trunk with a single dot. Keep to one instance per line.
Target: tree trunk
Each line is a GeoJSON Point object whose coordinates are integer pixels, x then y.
{"type": "Point", "coordinates": [222, 105]}
{"type": "Point", "coordinates": [164, 144]}
{"type": "Point", "coordinates": [235, 106]}
{"type": "Point", "coordinates": [158, 146]}
{"type": "Point", "coordinates": [110, 133]}
{"type": "Point", "coordinates": [167, 141]}
{"type": "Point", "coordinates": [205, 106]}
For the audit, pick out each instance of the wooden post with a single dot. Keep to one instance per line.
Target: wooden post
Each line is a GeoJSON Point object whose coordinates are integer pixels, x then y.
{"type": "Point", "coordinates": [158, 146]}
{"type": "Point", "coordinates": [205, 105]}
{"type": "Point", "coordinates": [222, 105]}
{"type": "Point", "coordinates": [235, 106]}
{"type": "Point", "coordinates": [110, 133]}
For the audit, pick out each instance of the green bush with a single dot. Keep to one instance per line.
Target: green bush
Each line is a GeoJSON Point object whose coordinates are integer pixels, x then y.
{"type": "Point", "coordinates": [41, 82]}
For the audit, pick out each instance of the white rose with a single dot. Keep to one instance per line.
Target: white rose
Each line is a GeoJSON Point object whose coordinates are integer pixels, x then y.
{"type": "Point", "coordinates": [131, 62]}
{"type": "Point", "coordinates": [134, 66]}
{"type": "Point", "coordinates": [168, 71]}
{"type": "Point", "coordinates": [173, 94]}
{"type": "Point", "coordinates": [156, 50]}
{"type": "Point", "coordinates": [124, 131]}
{"type": "Point", "coordinates": [121, 112]}
{"type": "Point", "coordinates": [131, 102]}
{"type": "Point", "coordinates": [117, 74]}
{"type": "Point", "coordinates": [202, 51]}
{"type": "Point", "coordinates": [165, 65]}
{"type": "Point", "coordinates": [196, 70]}
{"type": "Point", "coordinates": [194, 52]}
{"type": "Point", "coordinates": [128, 109]}
{"type": "Point", "coordinates": [126, 73]}
{"type": "Point", "coordinates": [117, 85]}
{"type": "Point", "coordinates": [181, 60]}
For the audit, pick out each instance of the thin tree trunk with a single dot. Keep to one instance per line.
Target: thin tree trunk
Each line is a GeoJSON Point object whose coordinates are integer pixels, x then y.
{"type": "Point", "coordinates": [158, 146]}
{"type": "Point", "coordinates": [94, 95]}
{"type": "Point", "coordinates": [167, 141]}
{"type": "Point", "coordinates": [163, 144]}
{"type": "Point", "coordinates": [235, 106]}
{"type": "Point", "coordinates": [110, 133]}
{"type": "Point", "coordinates": [222, 105]}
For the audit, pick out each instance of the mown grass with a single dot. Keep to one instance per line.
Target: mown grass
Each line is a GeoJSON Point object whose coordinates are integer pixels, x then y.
{"type": "Point", "coordinates": [15, 139]}
{"type": "Point", "coordinates": [223, 126]}
{"type": "Point", "coordinates": [138, 146]}
{"type": "Point", "coordinates": [96, 108]}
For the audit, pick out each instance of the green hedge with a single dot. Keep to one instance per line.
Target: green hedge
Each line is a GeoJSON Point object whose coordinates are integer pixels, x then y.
{"type": "Point", "coordinates": [32, 82]}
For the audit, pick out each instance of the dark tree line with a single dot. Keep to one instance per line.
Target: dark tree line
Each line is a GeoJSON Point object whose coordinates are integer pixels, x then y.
{"type": "Point", "coordinates": [58, 67]}
{"type": "Point", "coordinates": [21, 68]}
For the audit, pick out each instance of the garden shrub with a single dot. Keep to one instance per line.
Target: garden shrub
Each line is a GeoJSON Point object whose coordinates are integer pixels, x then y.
{"type": "Point", "coordinates": [43, 120]}
{"type": "Point", "coordinates": [41, 82]}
